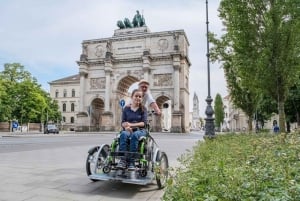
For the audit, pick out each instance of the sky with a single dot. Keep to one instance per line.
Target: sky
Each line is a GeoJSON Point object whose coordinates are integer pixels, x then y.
{"type": "Point", "coordinates": [45, 36]}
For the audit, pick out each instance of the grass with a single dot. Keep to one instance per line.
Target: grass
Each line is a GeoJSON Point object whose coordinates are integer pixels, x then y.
{"type": "Point", "coordinates": [239, 167]}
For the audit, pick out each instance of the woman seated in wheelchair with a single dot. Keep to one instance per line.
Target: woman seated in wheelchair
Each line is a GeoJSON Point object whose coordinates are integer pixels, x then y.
{"type": "Point", "coordinates": [134, 119]}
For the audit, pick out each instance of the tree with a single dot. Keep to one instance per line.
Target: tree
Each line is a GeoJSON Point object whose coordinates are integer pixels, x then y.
{"type": "Point", "coordinates": [219, 111]}
{"type": "Point", "coordinates": [3, 95]}
{"type": "Point", "coordinates": [265, 109]}
{"type": "Point", "coordinates": [26, 100]}
{"type": "Point", "coordinates": [292, 105]}
{"type": "Point", "coordinates": [261, 49]}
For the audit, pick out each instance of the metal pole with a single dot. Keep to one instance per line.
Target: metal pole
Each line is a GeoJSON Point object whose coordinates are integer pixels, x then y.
{"type": "Point", "coordinates": [209, 120]}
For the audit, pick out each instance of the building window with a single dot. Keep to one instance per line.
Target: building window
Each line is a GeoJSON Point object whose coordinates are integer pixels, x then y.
{"type": "Point", "coordinates": [64, 119]}
{"type": "Point", "coordinates": [65, 93]}
{"type": "Point", "coordinates": [72, 107]}
{"type": "Point", "coordinates": [64, 107]}
{"type": "Point", "coordinates": [72, 120]}
{"type": "Point", "coordinates": [56, 93]}
{"type": "Point", "coordinates": [73, 92]}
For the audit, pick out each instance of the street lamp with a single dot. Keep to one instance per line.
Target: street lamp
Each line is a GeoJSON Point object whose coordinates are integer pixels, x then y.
{"type": "Point", "coordinates": [209, 120]}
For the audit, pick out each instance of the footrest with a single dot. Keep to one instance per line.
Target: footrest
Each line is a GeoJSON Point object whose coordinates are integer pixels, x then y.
{"type": "Point", "coordinates": [127, 154]}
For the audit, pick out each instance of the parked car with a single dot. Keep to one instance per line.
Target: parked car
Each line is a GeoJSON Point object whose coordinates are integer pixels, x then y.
{"type": "Point", "coordinates": [51, 128]}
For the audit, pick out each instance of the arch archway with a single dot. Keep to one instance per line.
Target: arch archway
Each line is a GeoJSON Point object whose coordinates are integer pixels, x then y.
{"type": "Point", "coordinates": [125, 83]}
{"type": "Point", "coordinates": [163, 122]}
{"type": "Point", "coordinates": [95, 113]}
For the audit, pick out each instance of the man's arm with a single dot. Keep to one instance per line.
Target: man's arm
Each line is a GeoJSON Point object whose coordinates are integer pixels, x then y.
{"type": "Point", "coordinates": [155, 107]}
{"type": "Point", "coordinates": [153, 104]}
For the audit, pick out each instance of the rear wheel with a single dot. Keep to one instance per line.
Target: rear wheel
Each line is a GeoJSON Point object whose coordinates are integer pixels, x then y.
{"type": "Point", "coordinates": [162, 170]}
{"type": "Point", "coordinates": [95, 163]}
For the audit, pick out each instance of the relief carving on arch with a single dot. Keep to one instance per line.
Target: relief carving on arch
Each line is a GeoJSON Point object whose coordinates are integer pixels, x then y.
{"type": "Point", "coordinates": [97, 83]}
{"type": "Point", "coordinates": [99, 51]}
{"type": "Point", "coordinates": [163, 80]}
{"type": "Point", "coordinates": [163, 44]}
{"type": "Point", "coordinates": [135, 73]}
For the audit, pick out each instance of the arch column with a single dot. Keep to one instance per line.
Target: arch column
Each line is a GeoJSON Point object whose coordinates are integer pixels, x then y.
{"type": "Point", "coordinates": [107, 116]}
{"type": "Point", "coordinates": [108, 71]}
{"type": "Point", "coordinates": [146, 64]}
{"type": "Point", "coordinates": [83, 73]}
{"type": "Point", "coordinates": [82, 115]}
{"type": "Point", "coordinates": [177, 114]}
{"type": "Point", "coordinates": [176, 66]}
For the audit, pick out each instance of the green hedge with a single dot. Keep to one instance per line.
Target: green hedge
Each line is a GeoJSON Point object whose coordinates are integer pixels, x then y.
{"type": "Point", "coordinates": [239, 167]}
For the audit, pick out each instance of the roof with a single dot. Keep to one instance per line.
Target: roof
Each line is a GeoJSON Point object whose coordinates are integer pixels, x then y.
{"type": "Point", "coordinates": [72, 78]}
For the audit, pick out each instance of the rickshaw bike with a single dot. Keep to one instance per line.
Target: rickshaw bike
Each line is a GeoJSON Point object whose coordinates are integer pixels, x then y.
{"type": "Point", "coordinates": [150, 162]}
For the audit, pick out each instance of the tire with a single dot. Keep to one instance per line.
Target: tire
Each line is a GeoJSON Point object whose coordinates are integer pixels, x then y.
{"type": "Point", "coordinates": [161, 170]}
{"type": "Point", "coordinates": [92, 162]}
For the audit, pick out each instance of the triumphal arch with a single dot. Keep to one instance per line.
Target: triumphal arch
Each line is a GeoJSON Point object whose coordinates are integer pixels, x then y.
{"type": "Point", "coordinates": [109, 66]}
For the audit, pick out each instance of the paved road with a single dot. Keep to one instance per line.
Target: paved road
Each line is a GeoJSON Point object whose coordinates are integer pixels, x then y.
{"type": "Point", "coordinates": [52, 167]}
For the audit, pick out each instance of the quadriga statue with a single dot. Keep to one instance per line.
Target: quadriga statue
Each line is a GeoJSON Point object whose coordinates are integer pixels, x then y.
{"type": "Point", "coordinates": [138, 21]}
{"type": "Point", "coordinates": [120, 24]}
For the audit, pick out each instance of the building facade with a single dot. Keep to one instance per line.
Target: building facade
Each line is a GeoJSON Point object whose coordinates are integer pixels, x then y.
{"type": "Point", "coordinates": [66, 92]}
{"type": "Point", "coordinates": [237, 121]}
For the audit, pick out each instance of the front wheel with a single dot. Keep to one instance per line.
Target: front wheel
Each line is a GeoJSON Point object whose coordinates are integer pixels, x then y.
{"type": "Point", "coordinates": [95, 162]}
{"type": "Point", "coordinates": [162, 170]}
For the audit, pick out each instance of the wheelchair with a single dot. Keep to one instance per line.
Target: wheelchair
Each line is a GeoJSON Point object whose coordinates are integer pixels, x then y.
{"type": "Point", "coordinates": [150, 162]}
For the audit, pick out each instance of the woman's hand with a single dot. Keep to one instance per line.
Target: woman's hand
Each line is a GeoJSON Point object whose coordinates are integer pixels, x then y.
{"type": "Point", "coordinates": [128, 129]}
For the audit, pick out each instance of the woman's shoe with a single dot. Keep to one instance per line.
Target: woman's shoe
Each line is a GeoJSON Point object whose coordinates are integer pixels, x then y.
{"type": "Point", "coordinates": [121, 164]}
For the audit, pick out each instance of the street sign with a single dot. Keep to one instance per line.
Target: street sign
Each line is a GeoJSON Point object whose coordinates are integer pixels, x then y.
{"type": "Point", "coordinates": [122, 103]}
{"type": "Point", "coordinates": [15, 124]}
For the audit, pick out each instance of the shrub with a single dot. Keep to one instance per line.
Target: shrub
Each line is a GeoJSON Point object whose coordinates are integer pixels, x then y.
{"type": "Point", "coordinates": [239, 167]}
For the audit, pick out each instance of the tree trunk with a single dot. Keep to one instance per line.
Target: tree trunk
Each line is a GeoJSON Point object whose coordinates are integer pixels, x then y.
{"type": "Point", "coordinates": [250, 123]}
{"type": "Point", "coordinates": [281, 116]}
{"type": "Point", "coordinates": [298, 120]}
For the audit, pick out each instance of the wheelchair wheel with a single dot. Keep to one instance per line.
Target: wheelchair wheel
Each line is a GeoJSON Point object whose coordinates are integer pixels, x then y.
{"type": "Point", "coordinates": [94, 163]}
{"type": "Point", "coordinates": [161, 170]}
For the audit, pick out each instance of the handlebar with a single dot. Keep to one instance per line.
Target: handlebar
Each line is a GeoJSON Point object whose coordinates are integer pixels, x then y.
{"type": "Point", "coordinates": [152, 112]}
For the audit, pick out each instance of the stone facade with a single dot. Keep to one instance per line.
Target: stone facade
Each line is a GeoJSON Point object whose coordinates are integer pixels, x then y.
{"type": "Point", "coordinates": [66, 92]}
{"type": "Point", "coordinates": [109, 66]}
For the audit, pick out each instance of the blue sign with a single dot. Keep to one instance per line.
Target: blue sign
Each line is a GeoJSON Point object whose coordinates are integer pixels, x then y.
{"type": "Point", "coordinates": [122, 103]}
{"type": "Point", "coordinates": [15, 124]}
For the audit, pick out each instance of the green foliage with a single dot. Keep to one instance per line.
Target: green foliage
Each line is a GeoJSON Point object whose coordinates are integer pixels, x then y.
{"type": "Point", "coordinates": [239, 167]}
{"type": "Point", "coordinates": [219, 111]}
{"type": "Point", "coordinates": [22, 98]}
{"type": "Point", "coordinates": [259, 51]}
{"type": "Point", "coordinates": [292, 105]}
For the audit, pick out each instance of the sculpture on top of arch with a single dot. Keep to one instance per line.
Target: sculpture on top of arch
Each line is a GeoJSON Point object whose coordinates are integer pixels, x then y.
{"type": "Point", "coordinates": [138, 21]}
